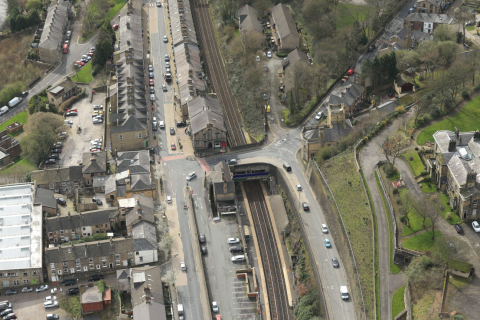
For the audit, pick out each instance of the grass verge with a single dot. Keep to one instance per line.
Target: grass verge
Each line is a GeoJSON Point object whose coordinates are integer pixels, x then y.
{"type": "Point", "coordinates": [416, 220]}
{"type": "Point", "coordinates": [405, 100]}
{"type": "Point", "coordinates": [393, 267]}
{"type": "Point", "coordinates": [346, 185]}
{"type": "Point", "coordinates": [112, 12]}
{"type": "Point", "coordinates": [421, 307]}
{"type": "Point", "coordinates": [416, 164]}
{"type": "Point", "coordinates": [466, 119]}
{"type": "Point", "coordinates": [446, 208]}
{"type": "Point", "coordinates": [20, 166]}
{"type": "Point", "coordinates": [398, 303]}
{"type": "Point", "coordinates": [422, 242]}
{"type": "Point", "coordinates": [84, 75]}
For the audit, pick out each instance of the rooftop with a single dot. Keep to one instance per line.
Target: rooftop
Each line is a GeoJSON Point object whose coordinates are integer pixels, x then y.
{"type": "Point", "coordinates": [283, 19]}
{"type": "Point", "coordinates": [147, 293]}
{"type": "Point", "coordinates": [21, 232]}
{"type": "Point", "coordinates": [78, 220]}
{"type": "Point", "coordinates": [94, 162]}
{"type": "Point", "coordinates": [430, 18]}
{"type": "Point", "coordinates": [248, 18]}
{"type": "Point", "coordinates": [182, 27]}
{"type": "Point", "coordinates": [204, 111]}
{"type": "Point", "coordinates": [144, 236]}
{"type": "Point", "coordinates": [55, 23]}
{"type": "Point", "coordinates": [91, 294]}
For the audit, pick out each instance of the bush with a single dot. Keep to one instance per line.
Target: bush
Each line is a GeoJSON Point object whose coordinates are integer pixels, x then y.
{"type": "Point", "coordinates": [282, 54]}
{"type": "Point", "coordinates": [400, 109]}
{"type": "Point", "coordinates": [421, 78]}
{"type": "Point", "coordinates": [395, 191]}
{"type": "Point", "coordinates": [402, 219]}
{"type": "Point", "coordinates": [424, 173]}
{"type": "Point", "coordinates": [66, 105]}
{"type": "Point", "coordinates": [398, 201]}
{"type": "Point", "coordinates": [458, 317]}
{"type": "Point", "coordinates": [426, 262]}
{"type": "Point", "coordinates": [465, 94]}
{"type": "Point", "coordinates": [416, 148]}
{"type": "Point", "coordinates": [476, 87]}
{"type": "Point", "coordinates": [390, 171]}
{"type": "Point", "coordinates": [427, 179]}
{"type": "Point", "coordinates": [449, 216]}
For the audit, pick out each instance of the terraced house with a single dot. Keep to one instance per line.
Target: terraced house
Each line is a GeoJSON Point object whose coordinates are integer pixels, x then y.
{"type": "Point", "coordinates": [455, 167]}
{"type": "Point", "coordinates": [98, 256]}
{"type": "Point", "coordinates": [60, 180]}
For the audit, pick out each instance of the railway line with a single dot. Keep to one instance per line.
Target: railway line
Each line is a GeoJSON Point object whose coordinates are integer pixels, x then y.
{"type": "Point", "coordinates": [272, 268]}
{"type": "Point", "coordinates": [218, 73]}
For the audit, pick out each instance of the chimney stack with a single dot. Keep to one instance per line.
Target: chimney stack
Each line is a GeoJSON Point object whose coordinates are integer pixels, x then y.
{"type": "Point", "coordinates": [457, 132]}
{"type": "Point", "coordinates": [452, 144]}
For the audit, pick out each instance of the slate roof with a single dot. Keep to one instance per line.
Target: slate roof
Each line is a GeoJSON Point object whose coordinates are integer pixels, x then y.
{"type": "Point", "coordinates": [95, 162]}
{"type": "Point", "coordinates": [66, 85]}
{"type": "Point", "coordinates": [203, 111]}
{"type": "Point", "coordinates": [110, 184]}
{"type": "Point", "coordinates": [189, 71]}
{"type": "Point", "coordinates": [219, 187]}
{"type": "Point", "coordinates": [130, 27]}
{"type": "Point", "coordinates": [135, 161]}
{"type": "Point", "coordinates": [45, 197]}
{"type": "Point", "coordinates": [88, 218]}
{"type": "Point", "coordinates": [430, 18]}
{"type": "Point", "coordinates": [434, 2]}
{"type": "Point", "coordinates": [55, 24]}
{"type": "Point", "coordinates": [85, 250]}
{"type": "Point", "coordinates": [131, 124]}
{"type": "Point", "coordinates": [338, 131]}
{"type": "Point", "coordinates": [100, 181]}
{"type": "Point", "coordinates": [346, 95]}
{"type": "Point", "coordinates": [51, 175]}
{"type": "Point", "coordinates": [284, 22]}
{"type": "Point", "coordinates": [248, 19]}
{"type": "Point", "coordinates": [144, 236]}
{"type": "Point", "coordinates": [150, 287]}
{"type": "Point", "coordinates": [146, 206]}
{"type": "Point", "coordinates": [181, 21]}
{"type": "Point", "coordinates": [296, 56]}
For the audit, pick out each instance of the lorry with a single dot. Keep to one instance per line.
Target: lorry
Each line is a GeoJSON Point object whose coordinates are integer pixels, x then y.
{"type": "Point", "coordinates": [14, 102]}
{"type": "Point", "coordinates": [3, 110]}
{"type": "Point", "coordinates": [344, 292]}
{"type": "Point", "coordinates": [180, 311]}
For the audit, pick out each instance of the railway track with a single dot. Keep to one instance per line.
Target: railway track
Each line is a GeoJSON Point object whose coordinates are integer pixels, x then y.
{"type": "Point", "coordinates": [272, 268]}
{"type": "Point", "coordinates": [218, 73]}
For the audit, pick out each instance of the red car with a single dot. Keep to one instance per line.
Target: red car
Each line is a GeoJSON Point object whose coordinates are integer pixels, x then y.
{"type": "Point", "coordinates": [90, 54]}
{"type": "Point", "coordinates": [173, 146]}
{"type": "Point", "coordinates": [80, 63]}
{"type": "Point", "coordinates": [350, 72]}
{"type": "Point", "coordinates": [151, 82]}
{"type": "Point", "coordinates": [115, 26]}
{"type": "Point", "coordinates": [72, 110]}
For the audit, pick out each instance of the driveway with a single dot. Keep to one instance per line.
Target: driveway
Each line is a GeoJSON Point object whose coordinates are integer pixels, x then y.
{"type": "Point", "coordinates": [78, 143]}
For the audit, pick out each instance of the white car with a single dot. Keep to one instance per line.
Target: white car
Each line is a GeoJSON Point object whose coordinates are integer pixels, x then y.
{"type": "Point", "coordinates": [299, 187]}
{"type": "Point", "coordinates": [98, 107]}
{"type": "Point", "coordinates": [27, 289]}
{"type": "Point", "coordinates": [238, 258]}
{"type": "Point", "coordinates": [324, 228]}
{"type": "Point", "coordinates": [232, 240]}
{"type": "Point", "coordinates": [269, 54]}
{"type": "Point", "coordinates": [476, 226]}
{"type": "Point", "coordinates": [161, 124]}
{"type": "Point", "coordinates": [50, 298]}
{"type": "Point", "coordinates": [191, 175]}
{"type": "Point", "coordinates": [97, 120]}
{"type": "Point", "coordinates": [42, 288]}
{"type": "Point", "coordinates": [50, 304]}
{"type": "Point", "coordinates": [69, 122]}
{"type": "Point", "coordinates": [53, 291]}
{"type": "Point", "coordinates": [165, 39]}
{"type": "Point", "coordinates": [319, 115]}
{"type": "Point", "coordinates": [183, 266]}
{"type": "Point", "coordinates": [214, 306]}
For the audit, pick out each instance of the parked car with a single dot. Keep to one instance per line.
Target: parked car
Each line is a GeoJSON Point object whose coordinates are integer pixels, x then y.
{"type": "Point", "coordinates": [173, 146]}
{"type": "Point", "coordinates": [458, 228]}
{"type": "Point", "coordinates": [152, 90]}
{"type": "Point", "coordinates": [214, 306]}
{"type": "Point", "coordinates": [70, 113]}
{"type": "Point", "coordinates": [50, 298]}
{"type": "Point", "coordinates": [96, 277]}
{"type": "Point", "coordinates": [164, 88]}
{"type": "Point", "coordinates": [476, 226]}
{"type": "Point", "coordinates": [54, 156]}
{"type": "Point", "coordinates": [183, 266]}
{"type": "Point", "coordinates": [24, 94]}
{"type": "Point", "coordinates": [10, 316]}
{"type": "Point", "coordinates": [233, 240]}
{"type": "Point", "coordinates": [42, 288]}
{"type": "Point", "coordinates": [5, 305]}
{"type": "Point", "coordinates": [151, 83]}
{"type": "Point", "coordinates": [269, 54]}
{"type": "Point", "coordinates": [63, 202]}
{"type": "Point", "coordinates": [335, 262]}
{"type": "Point", "coordinates": [238, 258]}
{"type": "Point", "coordinates": [50, 304]}
{"type": "Point", "coordinates": [345, 78]}
{"type": "Point", "coordinates": [232, 162]}
{"type": "Point", "coordinates": [68, 282]}
{"type": "Point", "coordinates": [27, 289]}
{"type": "Point", "coordinates": [150, 68]}
{"type": "Point", "coordinates": [350, 72]}
{"type": "Point", "coordinates": [371, 48]}
{"type": "Point", "coordinates": [191, 175]}
{"type": "Point", "coordinates": [50, 161]}
{"type": "Point", "coordinates": [181, 124]}
{"type": "Point", "coordinates": [115, 26]}
{"type": "Point", "coordinates": [319, 115]}
{"type": "Point", "coordinates": [98, 107]}
{"type": "Point", "coordinates": [5, 312]}
{"type": "Point", "coordinates": [172, 131]}
{"type": "Point", "coordinates": [53, 291]}
{"type": "Point", "coordinates": [73, 291]}
{"type": "Point", "coordinates": [236, 249]}
{"type": "Point", "coordinates": [327, 243]}
{"type": "Point", "coordinates": [470, 23]}
{"type": "Point", "coordinates": [165, 39]}
{"type": "Point", "coordinates": [298, 187]}
{"type": "Point", "coordinates": [411, 10]}
{"type": "Point", "coordinates": [203, 250]}
{"type": "Point", "coordinates": [98, 201]}
{"type": "Point", "coordinates": [167, 64]}
{"type": "Point", "coordinates": [52, 316]}
{"type": "Point", "coordinates": [159, 4]}
{"type": "Point", "coordinates": [56, 150]}
{"type": "Point", "coordinates": [97, 120]}
{"type": "Point", "coordinates": [167, 58]}
{"type": "Point", "coordinates": [10, 292]}
{"type": "Point", "coordinates": [202, 238]}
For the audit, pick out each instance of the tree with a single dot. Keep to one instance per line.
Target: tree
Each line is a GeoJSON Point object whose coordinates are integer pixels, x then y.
{"type": "Point", "coordinates": [76, 68]}
{"type": "Point", "coordinates": [34, 5]}
{"type": "Point", "coordinates": [433, 213]}
{"type": "Point", "coordinates": [171, 276]}
{"type": "Point", "coordinates": [102, 51]}
{"type": "Point", "coordinates": [20, 23]}
{"type": "Point", "coordinates": [462, 15]}
{"type": "Point", "coordinates": [33, 18]}
{"type": "Point", "coordinates": [444, 251]}
{"type": "Point", "coordinates": [392, 148]}
{"type": "Point", "coordinates": [409, 205]}
{"type": "Point", "coordinates": [165, 244]}
{"type": "Point", "coordinates": [444, 32]}
{"type": "Point", "coordinates": [297, 78]}
{"type": "Point", "coordinates": [422, 208]}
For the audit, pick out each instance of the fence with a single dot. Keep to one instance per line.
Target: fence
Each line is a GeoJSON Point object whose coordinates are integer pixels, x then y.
{"type": "Point", "coordinates": [346, 235]}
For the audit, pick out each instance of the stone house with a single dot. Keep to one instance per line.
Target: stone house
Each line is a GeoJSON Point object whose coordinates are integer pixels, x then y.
{"type": "Point", "coordinates": [68, 261]}
{"type": "Point", "coordinates": [62, 92]}
{"type": "Point", "coordinates": [284, 27]}
{"type": "Point", "coordinates": [60, 180]}
{"type": "Point", "coordinates": [50, 44]}
{"type": "Point", "coordinates": [94, 165]}
{"type": "Point", "coordinates": [350, 96]}
{"type": "Point", "coordinates": [9, 149]}
{"type": "Point", "coordinates": [403, 83]}
{"type": "Point", "coordinates": [207, 125]}
{"type": "Point", "coordinates": [132, 134]}
{"type": "Point", "coordinates": [136, 209]}
{"type": "Point", "coordinates": [83, 224]}
{"type": "Point", "coordinates": [249, 24]}
{"type": "Point", "coordinates": [46, 198]}
{"type": "Point", "coordinates": [430, 6]}
{"type": "Point", "coordinates": [427, 22]}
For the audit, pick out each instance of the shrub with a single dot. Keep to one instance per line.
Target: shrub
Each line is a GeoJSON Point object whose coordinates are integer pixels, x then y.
{"type": "Point", "coordinates": [424, 173]}
{"type": "Point", "coordinates": [465, 94]}
{"type": "Point", "coordinates": [426, 262]}
{"type": "Point", "coordinates": [398, 201]}
{"type": "Point", "coordinates": [395, 191]}
{"type": "Point", "coordinates": [421, 78]}
{"type": "Point", "coordinates": [282, 54]}
{"type": "Point", "coordinates": [411, 158]}
{"type": "Point", "coordinates": [449, 216]}
{"type": "Point", "coordinates": [390, 171]}
{"type": "Point", "coordinates": [427, 179]}
{"type": "Point", "coordinates": [400, 109]}
{"type": "Point", "coordinates": [402, 219]}
{"type": "Point", "coordinates": [416, 148]}
{"type": "Point", "coordinates": [458, 317]}
{"type": "Point", "coordinates": [476, 87]}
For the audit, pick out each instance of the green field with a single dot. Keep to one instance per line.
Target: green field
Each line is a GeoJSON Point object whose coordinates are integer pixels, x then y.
{"type": "Point", "coordinates": [346, 12]}
{"type": "Point", "coordinates": [346, 185]}
{"type": "Point", "coordinates": [112, 12]}
{"type": "Point", "coordinates": [429, 187]}
{"type": "Point", "coordinates": [446, 208]}
{"type": "Point", "coordinates": [84, 75]}
{"type": "Point", "coordinates": [20, 166]}
{"type": "Point", "coordinates": [467, 119]}
{"type": "Point", "coordinates": [416, 164]}
{"type": "Point", "coordinates": [422, 242]}
{"type": "Point", "coordinates": [21, 117]}
{"type": "Point", "coordinates": [398, 302]}
{"type": "Point", "coordinates": [405, 100]}
{"type": "Point", "coordinates": [470, 28]}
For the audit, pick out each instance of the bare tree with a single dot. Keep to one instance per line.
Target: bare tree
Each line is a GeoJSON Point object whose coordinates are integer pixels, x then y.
{"type": "Point", "coordinates": [171, 276]}
{"type": "Point", "coordinates": [165, 244]}
{"type": "Point", "coordinates": [444, 251]}
{"type": "Point", "coordinates": [422, 207]}
{"type": "Point", "coordinates": [462, 14]}
{"type": "Point", "coordinates": [392, 148]}
{"type": "Point", "coordinates": [433, 213]}
{"type": "Point", "coordinates": [409, 205]}
{"type": "Point", "coordinates": [162, 227]}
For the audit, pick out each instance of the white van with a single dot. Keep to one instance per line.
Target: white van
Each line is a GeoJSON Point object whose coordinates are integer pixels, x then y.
{"type": "Point", "coordinates": [344, 292]}
{"type": "Point", "coordinates": [3, 110]}
{"type": "Point", "coordinates": [169, 199]}
{"type": "Point", "coordinates": [180, 311]}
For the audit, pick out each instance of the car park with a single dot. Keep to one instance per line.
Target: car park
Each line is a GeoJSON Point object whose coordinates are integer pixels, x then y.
{"type": "Point", "coordinates": [232, 162]}
{"type": "Point", "coordinates": [172, 131]}
{"type": "Point", "coordinates": [165, 39]}
{"type": "Point", "coordinates": [183, 266]}
{"type": "Point", "coordinates": [202, 238]}
{"type": "Point", "coordinates": [327, 243]}
{"type": "Point", "coordinates": [42, 288]}
{"type": "Point", "coordinates": [191, 175]}
{"type": "Point", "coordinates": [458, 228]}
{"type": "Point", "coordinates": [238, 258]}
{"type": "Point", "coordinates": [61, 201]}
{"type": "Point", "coordinates": [324, 228]}
{"type": "Point", "coordinates": [73, 291]}
{"type": "Point", "coordinates": [305, 206]}
{"type": "Point", "coordinates": [50, 304]}
{"type": "Point", "coordinates": [10, 292]}
{"type": "Point", "coordinates": [236, 249]}
{"type": "Point", "coordinates": [214, 306]}
{"type": "Point", "coordinates": [476, 226]}
{"type": "Point", "coordinates": [232, 240]}
{"type": "Point", "coordinates": [172, 146]}
{"type": "Point", "coordinates": [335, 262]}
{"type": "Point", "coordinates": [27, 289]}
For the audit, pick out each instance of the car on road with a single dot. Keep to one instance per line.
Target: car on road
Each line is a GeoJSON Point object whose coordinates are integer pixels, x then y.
{"type": "Point", "coordinates": [50, 298]}
{"type": "Point", "coordinates": [73, 291]}
{"type": "Point", "coordinates": [42, 288]}
{"type": "Point", "coordinates": [115, 26]}
{"type": "Point", "coordinates": [458, 228]}
{"type": "Point", "coordinates": [165, 39]}
{"type": "Point", "coordinates": [92, 49]}
{"type": "Point", "coordinates": [411, 10]}
{"type": "Point", "coordinates": [476, 226]}
{"type": "Point", "coordinates": [167, 64]}
{"type": "Point", "coordinates": [159, 4]}
{"type": "Point", "coordinates": [232, 161]}
{"type": "Point", "coordinates": [68, 282]}
{"type": "Point", "coordinates": [5, 312]}
{"type": "Point", "coordinates": [50, 304]}
{"type": "Point", "coordinates": [202, 238]}
{"type": "Point", "coordinates": [319, 115]}
{"type": "Point", "coordinates": [52, 316]}
{"type": "Point", "coordinates": [203, 249]}
{"type": "Point", "coordinates": [150, 75]}
{"type": "Point", "coordinates": [214, 306]}
{"type": "Point", "coordinates": [54, 291]}
{"type": "Point", "coordinates": [150, 68]}
{"type": "Point", "coordinates": [63, 202]}
{"type": "Point", "coordinates": [10, 316]}
{"type": "Point", "coordinates": [350, 72]}
{"type": "Point", "coordinates": [10, 292]}
{"type": "Point", "coordinates": [172, 131]}
{"type": "Point", "coordinates": [164, 88]}
{"type": "Point", "coordinates": [80, 63]}
{"type": "Point", "coordinates": [305, 206]}
{"type": "Point", "coordinates": [371, 48]}
{"type": "Point", "coordinates": [152, 97]}
{"type": "Point", "coordinates": [298, 187]}
{"type": "Point", "coordinates": [191, 175]}
{"type": "Point", "coordinates": [238, 258]}
{"type": "Point", "coordinates": [218, 317]}
{"type": "Point", "coordinates": [236, 249]}
{"type": "Point", "coordinates": [50, 161]}
{"type": "Point", "coordinates": [167, 58]}
{"type": "Point", "coordinates": [324, 228]}
{"type": "Point", "coordinates": [269, 54]}
{"type": "Point", "coordinates": [27, 289]}
{"type": "Point", "coordinates": [161, 124]}
{"type": "Point", "coordinates": [335, 262]}
{"type": "Point", "coordinates": [233, 240]}
{"type": "Point", "coordinates": [183, 266]}
{"type": "Point", "coordinates": [173, 146]}
{"type": "Point", "coordinates": [327, 243]}
{"type": "Point", "coordinates": [345, 78]}
{"type": "Point", "coordinates": [151, 84]}
{"type": "Point", "coordinates": [96, 277]}
{"type": "Point", "coordinates": [152, 90]}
